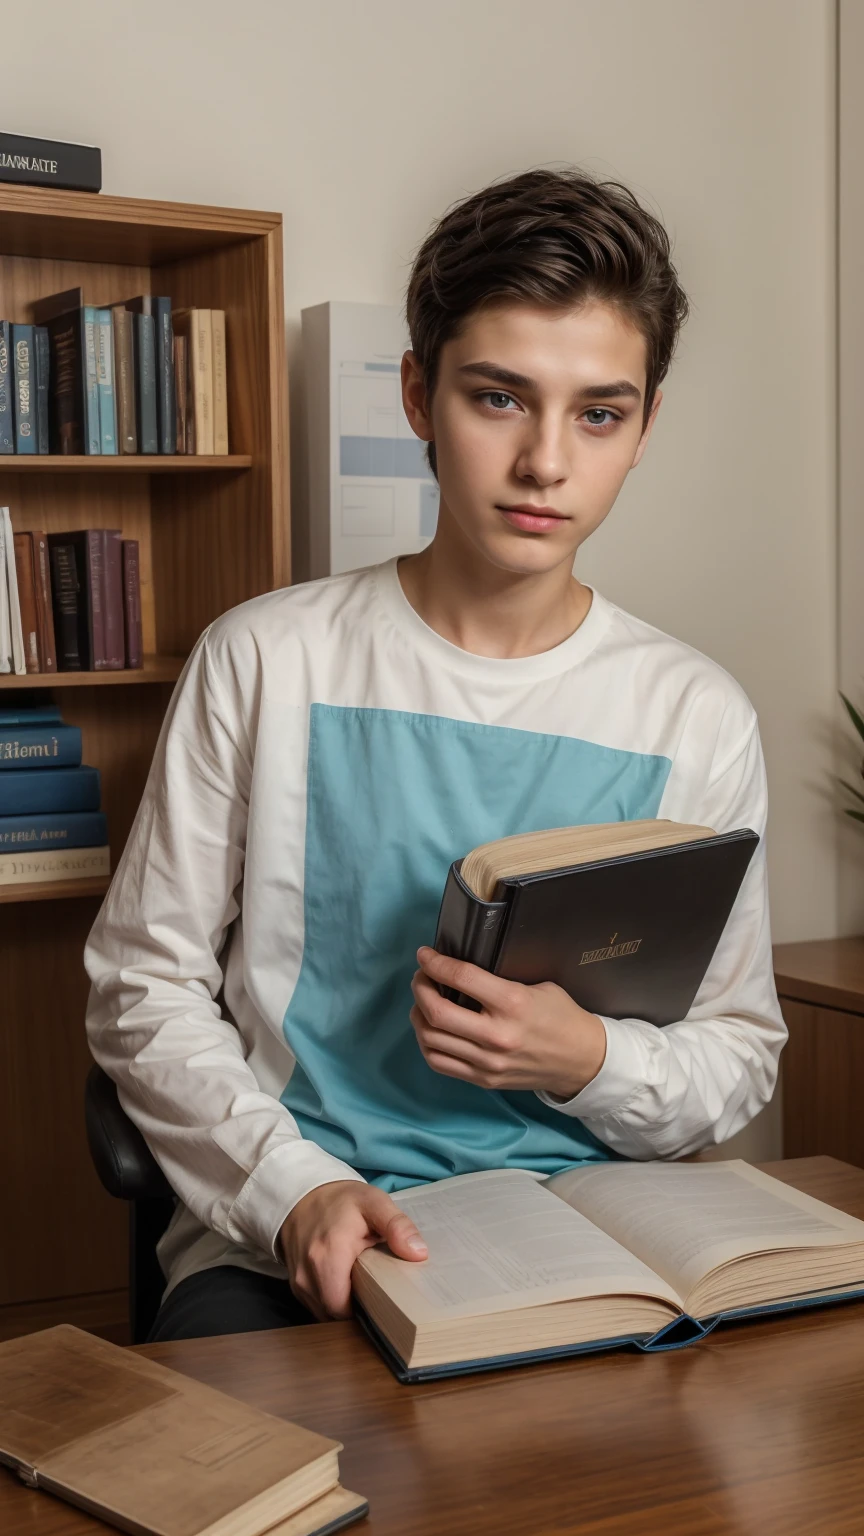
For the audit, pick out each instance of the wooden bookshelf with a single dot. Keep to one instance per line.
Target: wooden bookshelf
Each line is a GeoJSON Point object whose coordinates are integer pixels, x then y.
{"type": "Point", "coordinates": [213, 531]}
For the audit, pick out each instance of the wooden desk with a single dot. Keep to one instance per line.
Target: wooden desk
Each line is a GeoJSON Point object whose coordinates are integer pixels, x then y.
{"type": "Point", "coordinates": [821, 990]}
{"type": "Point", "coordinates": [757, 1430]}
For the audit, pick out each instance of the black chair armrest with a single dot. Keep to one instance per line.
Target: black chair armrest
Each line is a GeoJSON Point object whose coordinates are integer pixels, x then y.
{"type": "Point", "coordinates": [122, 1157]}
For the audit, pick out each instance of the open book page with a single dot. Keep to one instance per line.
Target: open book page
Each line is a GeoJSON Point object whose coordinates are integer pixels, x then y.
{"type": "Point", "coordinates": [686, 1219]}
{"type": "Point", "coordinates": [499, 1241]}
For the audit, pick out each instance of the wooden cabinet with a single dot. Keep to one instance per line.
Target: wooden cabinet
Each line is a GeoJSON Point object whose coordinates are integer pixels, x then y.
{"type": "Point", "coordinates": [213, 532]}
{"type": "Point", "coordinates": [821, 990]}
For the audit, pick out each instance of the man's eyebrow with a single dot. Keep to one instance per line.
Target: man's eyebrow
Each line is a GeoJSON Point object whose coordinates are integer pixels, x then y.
{"type": "Point", "coordinates": [618, 389]}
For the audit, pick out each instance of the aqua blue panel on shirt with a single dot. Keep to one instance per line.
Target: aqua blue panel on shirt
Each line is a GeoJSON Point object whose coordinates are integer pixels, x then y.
{"type": "Point", "coordinates": [392, 799]}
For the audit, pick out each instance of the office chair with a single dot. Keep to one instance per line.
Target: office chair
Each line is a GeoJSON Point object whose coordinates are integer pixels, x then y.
{"type": "Point", "coordinates": [129, 1171]}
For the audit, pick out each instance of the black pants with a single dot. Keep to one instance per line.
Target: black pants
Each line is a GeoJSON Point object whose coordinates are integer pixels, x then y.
{"type": "Point", "coordinates": [226, 1299]}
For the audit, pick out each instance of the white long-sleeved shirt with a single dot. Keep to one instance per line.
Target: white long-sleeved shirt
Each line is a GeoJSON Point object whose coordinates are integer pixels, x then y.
{"type": "Point", "coordinates": [325, 757]}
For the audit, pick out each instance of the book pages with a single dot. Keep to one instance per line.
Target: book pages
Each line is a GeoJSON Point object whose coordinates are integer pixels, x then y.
{"type": "Point", "coordinates": [686, 1220]}
{"type": "Point", "coordinates": [499, 1242]}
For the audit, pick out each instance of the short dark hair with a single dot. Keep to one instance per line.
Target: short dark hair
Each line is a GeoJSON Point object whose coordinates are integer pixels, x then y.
{"type": "Point", "coordinates": [555, 238]}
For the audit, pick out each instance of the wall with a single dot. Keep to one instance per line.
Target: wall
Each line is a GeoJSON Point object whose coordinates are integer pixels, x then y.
{"type": "Point", "coordinates": [361, 122]}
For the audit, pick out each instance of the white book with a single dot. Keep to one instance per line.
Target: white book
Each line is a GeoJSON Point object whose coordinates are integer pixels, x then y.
{"type": "Point", "coordinates": [5, 630]}
{"type": "Point", "coordinates": [17, 632]}
{"type": "Point", "coordinates": [54, 864]}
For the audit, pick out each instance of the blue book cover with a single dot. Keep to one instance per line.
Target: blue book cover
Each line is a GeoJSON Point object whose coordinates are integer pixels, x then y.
{"type": "Point", "coordinates": [105, 374]}
{"type": "Point", "coordinates": [7, 419]}
{"type": "Point", "coordinates": [72, 829]}
{"type": "Point", "coordinates": [28, 792]}
{"type": "Point", "coordinates": [40, 746]}
{"type": "Point", "coordinates": [24, 388]}
{"type": "Point", "coordinates": [37, 714]}
{"type": "Point", "coordinates": [42, 357]}
{"type": "Point", "coordinates": [93, 436]}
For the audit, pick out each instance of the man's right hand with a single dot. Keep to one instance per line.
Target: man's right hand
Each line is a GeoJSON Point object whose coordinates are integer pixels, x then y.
{"type": "Point", "coordinates": [328, 1230]}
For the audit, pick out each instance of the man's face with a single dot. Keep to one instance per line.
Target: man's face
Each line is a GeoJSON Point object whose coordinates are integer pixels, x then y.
{"type": "Point", "coordinates": [536, 420]}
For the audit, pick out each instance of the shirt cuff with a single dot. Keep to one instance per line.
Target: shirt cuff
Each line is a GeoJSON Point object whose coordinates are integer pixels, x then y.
{"type": "Point", "coordinates": [288, 1172]}
{"type": "Point", "coordinates": [621, 1075]}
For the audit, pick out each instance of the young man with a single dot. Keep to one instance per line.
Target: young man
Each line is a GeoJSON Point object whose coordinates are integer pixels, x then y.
{"type": "Point", "coordinates": [332, 747]}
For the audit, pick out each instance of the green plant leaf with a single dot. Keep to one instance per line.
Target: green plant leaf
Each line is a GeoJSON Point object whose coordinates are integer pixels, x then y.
{"type": "Point", "coordinates": [854, 716]}
{"type": "Point", "coordinates": [856, 815]}
{"type": "Point", "coordinates": [852, 790]}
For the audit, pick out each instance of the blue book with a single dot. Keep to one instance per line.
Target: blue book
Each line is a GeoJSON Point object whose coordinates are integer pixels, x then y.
{"type": "Point", "coordinates": [93, 436]}
{"type": "Point", "coordinates": [36, 714]}
{"type": "Point", "coordinates": [7, 419]}
{"type": "Point", "coordinates": [40, 746]}
{"type": "Point", "coordinates": [24, 388]}
{"type": "Point", "coordinates": [25, 792]}
{"type": "Point", "coordinates": [72, 829]}
{"type": "Point", "coordinates": [105, 374]}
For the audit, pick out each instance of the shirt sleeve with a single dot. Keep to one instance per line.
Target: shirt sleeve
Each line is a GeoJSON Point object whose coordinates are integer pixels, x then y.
{"type": "Point", "coordinates": [667, 1092]}
{"type": "Point", "coordinates": [233, 1153]}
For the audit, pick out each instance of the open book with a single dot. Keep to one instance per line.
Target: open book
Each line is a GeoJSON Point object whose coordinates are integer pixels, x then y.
{"type": "Point", "coordinates": [615, 1253]}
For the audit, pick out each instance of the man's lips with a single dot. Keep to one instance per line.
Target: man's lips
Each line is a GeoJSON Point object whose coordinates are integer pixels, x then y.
{"type": "Point", "coordinates": [533, 519]}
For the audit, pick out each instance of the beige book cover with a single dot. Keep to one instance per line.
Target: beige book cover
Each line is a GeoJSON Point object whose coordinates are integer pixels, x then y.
{"type": "Point", "coordinates": [156, 1452]}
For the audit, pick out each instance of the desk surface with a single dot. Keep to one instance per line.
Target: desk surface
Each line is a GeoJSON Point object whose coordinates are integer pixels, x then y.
{"type": "Point", "coordinates": [756, 1430]}
{"type": "Point", "coordinates": [827, 972]}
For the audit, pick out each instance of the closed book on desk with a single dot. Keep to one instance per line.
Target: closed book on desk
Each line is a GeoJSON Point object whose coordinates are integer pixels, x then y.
{"type": "Point", "coordinates": [155, 1452]}
{"type": "Point", "coordinates": [651, 1255]}
{"type": "Point", "coordinates": [624, 916]}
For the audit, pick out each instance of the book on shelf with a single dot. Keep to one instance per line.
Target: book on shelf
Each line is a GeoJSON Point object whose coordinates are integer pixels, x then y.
{"type": "Point", "coordinates": [197, 326]}
{"type": "Point", "coordinates": [40, 746]}
{"type": "Point", "coordinates": [81, 582]}
{"type": "Point", "coordinates": [62, 315]}
{"type": "Point", "coordinates": [50, 163]}
{"type": "Point", "coordinates": [12, 645]}
{"type": "Point", "coordinates": [24, 388]}
{"type": "Point", "coordinates": [29, 708]}
{"type": "Point", "coordinates": [53, 864]}
{"type": "Point", "coordinates": [65, 604]}
{"type": "Point", "coordinates": [112, 565]}
{"type": "Point", "coordinates": [144, 334]}
{"type": "Point", "coordinates": [105, 381]}
{"type": "Point", "coordinates": [42, 356]}
{"type": "Point", "coordinates": [57, 829]}
{"type": "Point", "coordinates": [91, 381]}
{"type": "Point", "coordinates": [159, 309]}
{"type": "Point", "coordinates": [625, 916]}
{"type": "Point", "coordinates": [124, 377]}
{"type": "Point", "coordinates": [49, 791]}
{"type": "Point", "coordinates": [88, 1421]}
{"type": "Point", "coordinates": [133, 635]}
{"type": "Point", "coordinates": [25, 571]}
{"type": "Point", "coordinates": [181, 390]}
{"type": "Point", "coordinates": [220, 382]}
{"type": "Point", "coordinates": [7, 417]}
{"type": "Point", "coordinates": [651, 1255]}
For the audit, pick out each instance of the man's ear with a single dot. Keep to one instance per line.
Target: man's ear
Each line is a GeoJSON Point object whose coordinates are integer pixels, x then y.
{"type": "Point", "coordinates": [652, 417]}
{"type": "Point", "coordinates": [414, 398]}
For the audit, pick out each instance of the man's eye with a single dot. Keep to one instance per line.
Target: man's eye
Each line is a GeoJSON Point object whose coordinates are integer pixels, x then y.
{"type": "Point", "coordinates": [498, 400]}
{"type": "Point", "coordinates": [600, 410]}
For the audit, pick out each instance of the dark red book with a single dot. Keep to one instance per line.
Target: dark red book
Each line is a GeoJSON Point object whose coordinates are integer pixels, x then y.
{"type": "Point", "coordinates": [132, 604]}
{"type": "Point", "coordinates": [115, 645]}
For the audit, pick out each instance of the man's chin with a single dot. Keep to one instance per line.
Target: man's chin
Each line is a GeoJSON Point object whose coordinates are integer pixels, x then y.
{"type": "Point", "coordinates": [527, 554]}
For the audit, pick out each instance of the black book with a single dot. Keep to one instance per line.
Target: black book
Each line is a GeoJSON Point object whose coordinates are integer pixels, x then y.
{"type": "Point", "coordinates": [50, 163]}
{"type": "Point", "coordinates": [166, 405]}
{"type": "Point", "coordinates": [62, 315]}
{"type": "Point", "coordinates": [144, 333]}
{"type": "Point", "coordinates": [43, 371]}
{"type": "Point", "coordinates": [624, 917]}
{"type": "Point", "coordinates": [67, 602]}
{"type": "Point", "coordinates": [7, 420]}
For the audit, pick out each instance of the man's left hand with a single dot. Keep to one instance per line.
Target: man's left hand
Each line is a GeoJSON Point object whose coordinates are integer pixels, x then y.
{"type": "Point", "coordinates": [532, 1038]}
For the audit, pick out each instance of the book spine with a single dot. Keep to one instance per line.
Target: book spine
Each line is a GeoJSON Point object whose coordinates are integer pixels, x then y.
{"type": "Point", "coordinates": [27, 601]}
{"type": "Point", "coordinates": [49, 791]}
{"type": "Point", "coordinates": [48, 714]}
{"type": "Point", "coordinates": [66, 395]}
{"type": "Point", "coordinates": [7, 417]}
{"type": "Point", "coordinates": [94, 573]}
{"type": "Point", "coordinates": [75, 829]}
{"type": "Point", "coordinates": [24, 392]}
{"type": "Point", "coordinates": [180, 389]}
{"type": "Point", "coordinates": [48, 746]}
{"type": "Point", "coordinates": [115, 648]}
{"type": "Point", "coordinates": [191, 442]}
{"type": "Point", "coordinates": [145, 359]}
{"type": "Point", "coordinates": [124, 381]}
{"type": "Point", "coordinates": [201, 338]}
{"type": "Point", "coordinates": [54, 864]}
{"type": "Point", "coordinates": [468, 929]}
{"type": "Point", "coordinates": [50, 163]}
{"type": "Point", "coordinates": [91, 376]}
{"type": "Point", "coordinates": [19, 659]}
{"type": "Point", "coordinates": [166, 407]}
{"type": "Point", "coordinates": [66, 598]}
{"type": "Point", "coordinates": [44, 611]}
{"type": "Point", "coordinates": [220, 382]}
{"type": "Point", "coordinates": [132, 604]}
{"type": "Point", "coordinates": [42, 353]}
{"type": "Point", "coordinates": [105, 375]}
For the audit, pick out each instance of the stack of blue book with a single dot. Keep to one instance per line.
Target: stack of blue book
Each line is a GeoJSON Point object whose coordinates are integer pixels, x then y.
{"type": "Point", "coordinates": [49, 800]}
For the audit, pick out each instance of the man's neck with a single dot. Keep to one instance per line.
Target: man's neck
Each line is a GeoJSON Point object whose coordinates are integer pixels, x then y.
{"type": "Point", "coordinates": [487, 611]}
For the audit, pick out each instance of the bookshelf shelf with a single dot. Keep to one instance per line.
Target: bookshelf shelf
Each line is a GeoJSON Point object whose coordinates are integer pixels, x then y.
{"type": "Point", "coordinates": [121, 463]}
{"type": "Point", "coordinates": [212, 532]}
{"type": "Point", "coordinates": [53, 890]}
{"type": "Point", "coordinates": [156, 669]}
